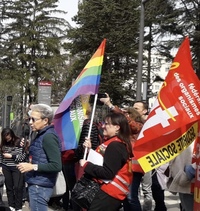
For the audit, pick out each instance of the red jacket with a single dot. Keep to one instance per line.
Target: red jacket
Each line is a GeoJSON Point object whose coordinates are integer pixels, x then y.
{"type": "Point", "coordinates": [118, 187]}
{"type": "Point", "coordinates": [135, 129]}
{"type": "Point", "coordinates": [136, 167]}
{"type": "Point", "coordinates": [68, 156]}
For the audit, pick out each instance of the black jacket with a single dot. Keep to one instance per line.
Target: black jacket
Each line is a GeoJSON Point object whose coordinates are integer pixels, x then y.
{"type": "Point", "coordinates": [94, 136]}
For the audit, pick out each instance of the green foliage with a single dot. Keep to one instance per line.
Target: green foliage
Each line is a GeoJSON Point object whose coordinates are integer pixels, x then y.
{"type": "Point", "coordinates": [191, 27]}
{"type": "Point", "coordinates": [36, 45]}
{"type": "Point", "coordinates": [31, 47]}
{"type": "Point", "coordinates": [171, 22]}
{"type": "Point", "coordinates": [117, 21]}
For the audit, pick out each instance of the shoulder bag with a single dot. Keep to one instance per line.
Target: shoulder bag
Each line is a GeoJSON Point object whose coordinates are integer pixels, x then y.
{"type": "Point", "coordinates": [84, 192]}
{"type": "Point", "coordinates": [60, 187]}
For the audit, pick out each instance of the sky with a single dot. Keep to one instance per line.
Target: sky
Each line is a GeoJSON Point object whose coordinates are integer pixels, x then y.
{"type": "Point", "coordinates": [71, 7]}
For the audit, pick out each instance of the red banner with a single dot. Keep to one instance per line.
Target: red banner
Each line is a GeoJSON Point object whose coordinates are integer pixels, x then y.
{"type": "Point", "coordinates": [197, 178]}
{"type": "Point", "coordinates": [172, 119]}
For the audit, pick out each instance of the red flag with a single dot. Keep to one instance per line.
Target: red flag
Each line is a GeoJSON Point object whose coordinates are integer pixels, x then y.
{"type": "Point", "coordinates": [170, 126]}
{"type": "Point", "coordinates": [197, 177]}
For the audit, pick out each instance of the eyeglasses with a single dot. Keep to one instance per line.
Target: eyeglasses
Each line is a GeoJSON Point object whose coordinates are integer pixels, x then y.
{"type": "Point", "coordinates": [33, 119]}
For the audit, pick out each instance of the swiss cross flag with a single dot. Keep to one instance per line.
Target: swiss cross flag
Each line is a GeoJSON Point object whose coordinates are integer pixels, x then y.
{"type": "Point", "coordinates": [172, 123]}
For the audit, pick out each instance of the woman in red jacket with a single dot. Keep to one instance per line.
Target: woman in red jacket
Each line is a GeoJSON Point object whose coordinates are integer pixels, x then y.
{"type": "Point", "coordinates": [136, 123]}
{"type": "Point", "coordinates": [116, 169]}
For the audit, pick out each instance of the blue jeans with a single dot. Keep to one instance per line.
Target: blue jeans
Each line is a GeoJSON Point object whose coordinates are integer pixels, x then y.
{"type": "Point", "coordinates": [133, 202]}
{"type": "Point", "coordinates": [39, 197]}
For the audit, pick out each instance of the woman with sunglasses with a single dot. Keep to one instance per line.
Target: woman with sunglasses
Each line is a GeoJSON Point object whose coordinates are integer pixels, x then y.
{"type": "Point", "coordinates": [11, 154]}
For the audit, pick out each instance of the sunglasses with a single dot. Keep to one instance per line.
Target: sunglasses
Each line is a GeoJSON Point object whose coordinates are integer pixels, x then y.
{"type": "Point", "coordinates": [33, 119]}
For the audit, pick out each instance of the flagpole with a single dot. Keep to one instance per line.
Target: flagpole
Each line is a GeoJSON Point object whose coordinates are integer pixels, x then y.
{"type": "Point", "coordinates": [91, 122]}
{"type": "Point", "coordinates": [86, 83]}
{"type": "Point", "coordinates": [140, 53]}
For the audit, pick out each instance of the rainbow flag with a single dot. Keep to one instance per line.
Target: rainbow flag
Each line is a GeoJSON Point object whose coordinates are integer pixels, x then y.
{"type": "Point", "coordinates": [69, 116]}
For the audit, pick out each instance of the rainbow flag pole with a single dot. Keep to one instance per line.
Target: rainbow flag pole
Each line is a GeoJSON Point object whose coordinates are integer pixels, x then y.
{"type": "Point", "coordinates": [91, 122]}
{"type": "Point", "coordinates": [69, 116]}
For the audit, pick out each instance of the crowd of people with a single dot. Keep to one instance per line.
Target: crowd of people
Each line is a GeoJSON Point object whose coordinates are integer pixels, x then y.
{"type": "Point", "coordinates": [34, 161]}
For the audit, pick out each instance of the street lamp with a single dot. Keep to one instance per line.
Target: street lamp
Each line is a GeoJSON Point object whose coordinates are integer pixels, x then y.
{"type": "Point", "coordinates": [140, 53]}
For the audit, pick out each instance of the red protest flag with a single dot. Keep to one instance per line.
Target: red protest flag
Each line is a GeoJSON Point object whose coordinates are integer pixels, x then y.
{"type": "Point", "coordinates": [197, 176]}
{"type": "Point", "coordinates": [174, 112]}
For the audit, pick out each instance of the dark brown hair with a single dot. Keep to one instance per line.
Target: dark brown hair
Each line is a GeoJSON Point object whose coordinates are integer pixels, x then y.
{"type": "Point", "coordinates": [134, 114]}
{"type": "Point", "coordinates": [14, 139]}
{"type": "Point", "coordinates": [124, 132]}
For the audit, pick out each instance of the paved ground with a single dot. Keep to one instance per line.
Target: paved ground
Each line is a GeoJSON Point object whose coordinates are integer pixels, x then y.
{"type": "Point", "coordinates": [172, 202]}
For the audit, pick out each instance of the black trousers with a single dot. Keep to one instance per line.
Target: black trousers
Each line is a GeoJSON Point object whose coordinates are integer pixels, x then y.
{"type": "Point", "coordinates": [70, 178]}
{"type": "Point", "coordinates": [14, 182]}
{"type": "Point", "coordinates": [158, 194]}
{"type": "Point", "coordinates": [104, 202]}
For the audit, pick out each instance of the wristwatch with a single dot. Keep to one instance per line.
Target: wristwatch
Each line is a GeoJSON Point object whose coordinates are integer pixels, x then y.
{"type": "Point", "coordinates": [35, 167]}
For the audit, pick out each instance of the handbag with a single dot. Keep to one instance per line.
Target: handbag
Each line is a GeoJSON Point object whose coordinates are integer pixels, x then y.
{"type": "Point", "coordinates": [84, 192]}
{"type": "Point", "coordinates": [60, 187]}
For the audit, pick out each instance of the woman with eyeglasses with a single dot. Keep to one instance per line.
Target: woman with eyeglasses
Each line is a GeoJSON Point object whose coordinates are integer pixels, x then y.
{"type": "Point", "coordinates": [12, 154]}
{"type": "Point", "coordinates": [116, 168]}
{"type": "Point", "coordinates": [135, 120]}
{"type": "Point", "coordinates": [44, 158]}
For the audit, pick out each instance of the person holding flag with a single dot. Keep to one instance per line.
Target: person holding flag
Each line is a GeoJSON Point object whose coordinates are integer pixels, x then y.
{"type": "Point", "coordinates": [180, 180]}
{"type": "Point", "coordinates": [135, 122]}
{"type": "Point", "coordinates": [115, 174]}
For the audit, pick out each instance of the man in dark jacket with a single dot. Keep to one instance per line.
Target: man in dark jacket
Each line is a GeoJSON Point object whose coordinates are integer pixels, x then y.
{"type": "Point", "coordinates": [44, 158]}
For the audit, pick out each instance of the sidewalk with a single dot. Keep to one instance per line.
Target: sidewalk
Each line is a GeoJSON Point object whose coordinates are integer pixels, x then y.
{"type": "Point", "coordinates": [171, 201]}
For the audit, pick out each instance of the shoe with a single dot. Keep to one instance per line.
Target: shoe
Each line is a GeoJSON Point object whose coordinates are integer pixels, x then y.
{"type": "Point", "coordinates": [12, 208]}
